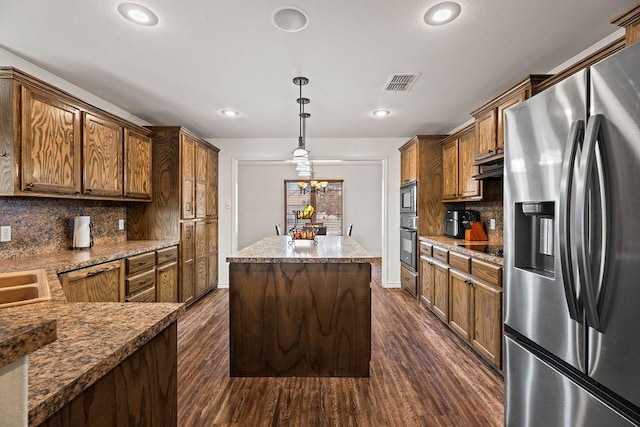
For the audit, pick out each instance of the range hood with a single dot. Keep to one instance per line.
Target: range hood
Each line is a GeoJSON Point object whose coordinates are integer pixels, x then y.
{"type": "Point", "coordinates": [492, 170]}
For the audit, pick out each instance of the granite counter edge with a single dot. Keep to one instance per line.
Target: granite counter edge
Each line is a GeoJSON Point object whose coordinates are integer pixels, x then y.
{"type": "Point", "coordinates": [25, 339]}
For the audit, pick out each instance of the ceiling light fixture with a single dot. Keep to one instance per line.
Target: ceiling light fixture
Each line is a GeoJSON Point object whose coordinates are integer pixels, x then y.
{"type": "Point", "coordinates": [300, 153]}
{"type": "Point", "coordinates": [381, 113]}
{"type": "Point", "coordinates": [137, 14]}
{"type": "Point", "coordinates": [442, 13]}
{"type": "Point", "coordinates": [290, 19]}
{"type": "Point", "coordinates": [229, 113]}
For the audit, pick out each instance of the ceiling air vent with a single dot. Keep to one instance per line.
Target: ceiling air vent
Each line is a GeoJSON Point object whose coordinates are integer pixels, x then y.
{"type": "Point", "coordinates": [401, 82]}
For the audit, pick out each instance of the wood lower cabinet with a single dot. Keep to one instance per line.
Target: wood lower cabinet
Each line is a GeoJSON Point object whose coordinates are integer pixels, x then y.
{"type": "Point", "coordinates": [140, 391]}
{"type": "Point", "coordinates": [460, 304]}
{"type": "Point", "coordinates": [99, 283]}
{"type": "Point", "coordinates": [141, 278]}
{"type": "Point", "coordinates": [486, 334]}
{"type": "Point", "coordinates": [167, 275]}
{"type": "Point", "coordinates": [212, 247]}
{"type": "Point", "coordinates": [409, 281]}
{"type": "Point", "coordinates": [187, 262]}
{"type": "Point", "coordinates": [201, 260]}
{"type": "Point", "coordinates": [56, 145]}
{"type": "Point", "coordinates": [441, 291]}
{"type": "Point", "coordinates": [466, 294]}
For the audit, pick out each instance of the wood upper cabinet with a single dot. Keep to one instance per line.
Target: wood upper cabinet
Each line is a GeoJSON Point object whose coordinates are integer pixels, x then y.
{"type": "Point", "coordinates": [201, 180]}
{"type": "Point", "coordinates": [489, 118]}
{"type": "Point", "coordinates": [102, 156]}
{"type": "Point", "coordinates": [138, 164]}
{"type": "Point", "coordinates": [409, 162]}
{"type": "Point", "coordinates": [187, 165]}
{"type": "Point", "coordinates": [450, 170]}
{"type": "Point", "coordinates": [56, 145]}
{"type": "Point", "coordinates": [50, 137]}
{"type": "Point", "coordinates": [99, 283]}
{"type": "Point", "coordinates": [458, 158]}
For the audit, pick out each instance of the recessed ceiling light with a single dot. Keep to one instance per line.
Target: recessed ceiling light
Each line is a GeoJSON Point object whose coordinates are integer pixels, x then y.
{"type": "Point", "coordinates": [442, 13]}
{"type": "Point", "coordinates": [381, 113]}
{"type": "Point", "coordinates": [229, 113]}
{"type": "Point", "coordinates": [290, 19]}
{"type": "Point", "coordinates": [137, 14]}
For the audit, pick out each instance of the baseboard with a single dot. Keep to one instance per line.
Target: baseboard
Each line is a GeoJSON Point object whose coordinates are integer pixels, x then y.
{"type": "Point", "coordinates": [392, 285]}
{"type": "Point", "coordinates": [223, 285]}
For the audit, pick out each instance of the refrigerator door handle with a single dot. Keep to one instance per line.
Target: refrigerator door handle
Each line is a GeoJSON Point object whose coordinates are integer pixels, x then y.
{"type": "Point", "coordinates": [566, 184]}
{"type": "Point", "coordinates": [591, 157]}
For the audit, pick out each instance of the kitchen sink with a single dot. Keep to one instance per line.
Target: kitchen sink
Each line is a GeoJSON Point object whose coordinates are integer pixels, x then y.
{"type": "Point", "coordinates": [23, 287]}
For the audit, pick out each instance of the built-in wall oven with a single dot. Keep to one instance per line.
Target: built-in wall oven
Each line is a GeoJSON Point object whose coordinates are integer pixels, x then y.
{"type": "Point", "coordinates": [408, 247]}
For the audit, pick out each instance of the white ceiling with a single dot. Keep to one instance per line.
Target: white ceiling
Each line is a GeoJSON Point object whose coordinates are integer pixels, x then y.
{"type": "Point", "coordinates": [206, 55]}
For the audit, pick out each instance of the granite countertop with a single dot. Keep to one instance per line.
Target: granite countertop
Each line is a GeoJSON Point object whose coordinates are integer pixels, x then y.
{"type": "Point", "coordinates": [19, 338]}
{"type": "Point", "coordinates": [92, 338]}
{"type": "Point", "coordinates": [452, 245]}
{"type": "Point", "coordinates": [334, 249]}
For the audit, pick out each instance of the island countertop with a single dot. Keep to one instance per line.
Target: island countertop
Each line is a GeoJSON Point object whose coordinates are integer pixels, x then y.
{"type": "Point", "coordinates": [280, 249]}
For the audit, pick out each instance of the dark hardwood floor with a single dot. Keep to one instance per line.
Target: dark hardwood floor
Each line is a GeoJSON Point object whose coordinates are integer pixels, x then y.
{"type": "Point", "coordinates": [421, 375]}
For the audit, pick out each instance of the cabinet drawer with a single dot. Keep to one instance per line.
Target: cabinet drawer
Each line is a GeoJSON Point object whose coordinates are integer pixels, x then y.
{"type": "Point", "coordinates": [141, 262]}
{"type": "Point", "coordinates": [166, 255]}
{"type": "Point", "coordinates": [141, 281]}
{"type": "Point", "coordinates": [148, 295]}
{"type": "Point", "coordinates": [488, 272]}
{"type": "Point", "coordinates": [426, 248]}
{"type": "Point", "coordinates": [460, 262]}
{"type": "Point", "coordinates": [409, 281]}
{"type": "Point", "coordinates": [441, 254]}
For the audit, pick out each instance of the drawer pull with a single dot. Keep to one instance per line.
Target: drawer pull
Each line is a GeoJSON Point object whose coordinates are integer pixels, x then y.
{"type": "Point", "coordinates": [96, 272]}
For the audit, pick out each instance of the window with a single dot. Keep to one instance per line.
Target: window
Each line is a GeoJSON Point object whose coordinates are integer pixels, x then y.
{"type": "Point", "coordinates": [327, 205]}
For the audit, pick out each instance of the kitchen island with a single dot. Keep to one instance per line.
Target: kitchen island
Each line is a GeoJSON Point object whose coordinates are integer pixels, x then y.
{"type": "Point", "coordinates": [300, 309]}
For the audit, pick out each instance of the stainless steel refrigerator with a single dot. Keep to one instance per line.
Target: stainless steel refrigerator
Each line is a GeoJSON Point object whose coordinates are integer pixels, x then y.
{"type": "Point", "coordinates": [572, 250]}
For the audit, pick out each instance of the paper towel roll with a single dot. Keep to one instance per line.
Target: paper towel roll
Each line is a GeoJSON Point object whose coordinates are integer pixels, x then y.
{"type": "Point", "coordinates": [81, 232]}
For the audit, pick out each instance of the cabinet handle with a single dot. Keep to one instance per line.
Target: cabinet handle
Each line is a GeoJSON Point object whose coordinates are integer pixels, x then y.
{"type": "Point", "coordinates": [490, 151]}
{"type": "Point", "coordinates": [468, 282]}
{"type": "Point", "coordinates": [127, 194]}
{"type": "Point", "coordinates": [96, 272]}
{"type": "Point", "coordinates": [4, 153]}
{"type": "Point", "coordinates": [188, 206]}
{"type": "Point", "coordinates": [29, 186]}
{"type": "Point", "coordinates": [88, 190]}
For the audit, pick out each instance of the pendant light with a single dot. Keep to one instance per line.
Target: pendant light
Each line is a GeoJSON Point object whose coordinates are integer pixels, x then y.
{"type": "Point", "coordinates": [300, 153]}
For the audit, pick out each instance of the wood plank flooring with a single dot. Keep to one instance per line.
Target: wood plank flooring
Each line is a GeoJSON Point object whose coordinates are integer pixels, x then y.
{"type": "Point", "coordinates": [421, 375]}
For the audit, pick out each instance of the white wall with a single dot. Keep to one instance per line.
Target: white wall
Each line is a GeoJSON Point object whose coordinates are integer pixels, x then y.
{"type": "Point", "coordinates": [233, 152]}
{"type": "Point", "coordinates": [261, 198]}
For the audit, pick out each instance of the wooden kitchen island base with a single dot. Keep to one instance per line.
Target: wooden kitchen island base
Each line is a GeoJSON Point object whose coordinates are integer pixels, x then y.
{"type": "Point", "coordinates": [300, 318]}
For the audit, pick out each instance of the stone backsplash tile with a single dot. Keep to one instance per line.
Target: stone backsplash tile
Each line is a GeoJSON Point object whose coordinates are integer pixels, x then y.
{"type": "Point", "coordinates": [40, 225]}
{"type": "Point", "coordinates": [491, 207]}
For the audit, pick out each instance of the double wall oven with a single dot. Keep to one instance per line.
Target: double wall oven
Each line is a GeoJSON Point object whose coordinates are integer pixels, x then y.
{"type": "Point", "coordinates": [409, 228]}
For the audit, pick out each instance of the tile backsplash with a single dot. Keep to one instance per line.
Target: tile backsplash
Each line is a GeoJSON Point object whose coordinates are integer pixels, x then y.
{"type": "Point", "coordinates": [40, 225]}
{"type": "Point", "coordinates": [491, 206]}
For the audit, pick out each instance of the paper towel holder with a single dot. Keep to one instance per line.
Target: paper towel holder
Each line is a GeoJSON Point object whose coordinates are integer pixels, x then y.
{"type": "Point", "coordinates": [82, 235]}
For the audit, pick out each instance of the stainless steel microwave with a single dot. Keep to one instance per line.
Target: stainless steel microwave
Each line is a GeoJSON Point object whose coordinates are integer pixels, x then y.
{"type": "Point", "coordinates": [408, 198]}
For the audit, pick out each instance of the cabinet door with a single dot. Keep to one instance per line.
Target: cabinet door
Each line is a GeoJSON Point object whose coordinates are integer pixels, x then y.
{"type": "Point", "coordinates": [187, 172]}
{"type": "Point", "coordinates": [426, 281]}
{"type": "Point", "coordinates": [50, 136]}
{"type": "Point", "coordinates": [502, 108]}
{"type": "Point", "coordinates": [412, 162]}
{"type": "Point", "coordinates": [187, 262]}
{"type": "Point", "coordinates": [441, 292]}
{"type": "Point", "coordinates": [137, 165]}
{"type": "Point", "coordinates": [467, 186]}
{"type": "Point", "coordinates": [460, 304]}
{"type": "Point", "coordinates": [212, 194]}
{"type": "Point", "coordinates": [167, 282]}
{"type": "Point", "coordinates": [486, 134]}
{"type": "Point", "coordinates": [450, 170]}
{"type": "Point", "coordinates": [487, 318]}
{"type": "Point", "coordinates": [202, 182]}
{"type": "Point", "coordinates": [100, 283]}
{"type": "Point", "coordinates": [102, 157]}
{"type": "Point", "coordinates": [212, 240]}
{"type": "Point", "coordinates": [404, 171]}
{"type": "Point", "coordinates": [202, 260]}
